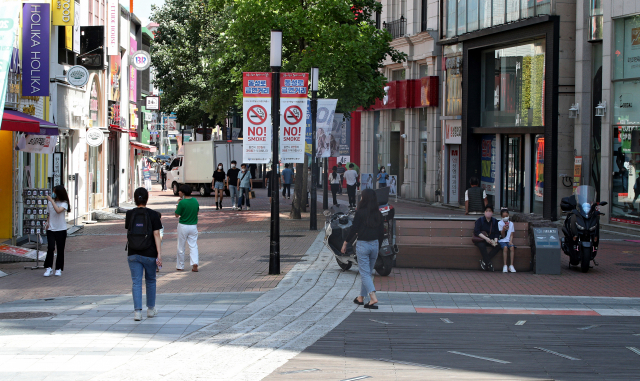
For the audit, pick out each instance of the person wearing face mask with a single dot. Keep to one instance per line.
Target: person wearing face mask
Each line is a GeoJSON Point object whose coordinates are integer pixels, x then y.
{"type": "Point", "coordinates": [218, 185]}
{"type": "Point", "coordinates": [486, 234]}
{"type": "Point", "coordinates": [506, 241]}
{"type": "Point", "coordinates": [232, 183]}
{"type": "Point", "coordinates": [245, 185]}
{"type": "Point", "coordinates": [382, 177]}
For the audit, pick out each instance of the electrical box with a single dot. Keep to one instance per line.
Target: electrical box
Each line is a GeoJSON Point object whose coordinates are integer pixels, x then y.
{"type": "Point", "coordinates": [548, 251]}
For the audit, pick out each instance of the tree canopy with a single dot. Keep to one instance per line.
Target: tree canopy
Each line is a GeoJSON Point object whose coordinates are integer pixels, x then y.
{"type": "Point", "coordinates": [202, 49]}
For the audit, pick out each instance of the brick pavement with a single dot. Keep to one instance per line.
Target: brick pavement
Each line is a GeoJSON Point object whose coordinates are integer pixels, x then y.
{"type": "Point", "coordinates": [233, 246]}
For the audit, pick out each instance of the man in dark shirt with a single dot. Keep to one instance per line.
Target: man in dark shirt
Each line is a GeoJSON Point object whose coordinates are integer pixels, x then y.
{"type": "Point", "coordinates": [232, 183]}
{"type": "Point", "coordinates": [487, 228]}
{"type": "Point", "coordinates": [341, 170]}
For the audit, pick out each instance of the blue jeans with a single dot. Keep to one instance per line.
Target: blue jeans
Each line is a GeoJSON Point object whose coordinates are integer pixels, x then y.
{"type": "Point", "coordinates": [233, 192]}
{"type": "Point", "coordinates": [139, 264]}
{"type": "Point", "coordinates": [244, 194]}
{"type": "Point", "coordinates": [367, 252]}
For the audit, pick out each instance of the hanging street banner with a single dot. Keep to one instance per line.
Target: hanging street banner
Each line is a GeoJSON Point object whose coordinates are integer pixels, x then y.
{"type": "Point", "coordinates": [324, 126]}
{"type": "Point", "coordinates": [36, 27]}
{"type": "Point", "coordinates": [340, 136]}
{"type": "Point", "coordinates": [9, 15]}
{"type": "Point", "coordinates": [293, 116]}
{"type": "Point", "coordinates": [256, 108]}
{"type": "Point", "coordinates": [113, 14]}
{"type": "Point", "coordinates": [309, 135]}
{"type": "Point", "coordinates": [37, 143]}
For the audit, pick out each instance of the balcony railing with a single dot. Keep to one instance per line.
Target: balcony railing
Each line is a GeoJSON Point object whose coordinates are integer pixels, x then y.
{"type": "Point", "coordinates": [397, 28]}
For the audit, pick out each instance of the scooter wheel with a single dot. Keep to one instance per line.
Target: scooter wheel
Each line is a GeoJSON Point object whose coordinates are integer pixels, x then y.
{"type": "Point", "coordinates": [385, 268]}
{"type": "Point", "coordinates": [344, 266]}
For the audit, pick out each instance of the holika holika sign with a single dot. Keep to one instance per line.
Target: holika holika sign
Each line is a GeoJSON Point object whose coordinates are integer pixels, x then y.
{"type": "Point", "coordinates": [35, 49]}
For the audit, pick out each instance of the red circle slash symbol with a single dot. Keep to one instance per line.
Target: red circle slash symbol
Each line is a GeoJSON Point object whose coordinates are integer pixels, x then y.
{"type": "Point", "coordinates": [257, 114]}
{"type": "Point", "coordinates": [293, 115]}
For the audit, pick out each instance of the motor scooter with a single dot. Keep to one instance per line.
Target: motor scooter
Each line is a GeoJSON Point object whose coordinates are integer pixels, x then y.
{"type": "Point", "coordinates": [582, 210]}
{"type": "Point", "coordinates": [338, 223]}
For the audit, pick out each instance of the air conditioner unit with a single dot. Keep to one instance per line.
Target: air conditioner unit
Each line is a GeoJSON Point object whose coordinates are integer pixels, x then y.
{"type": "Point", "coordinates": [397, 126]}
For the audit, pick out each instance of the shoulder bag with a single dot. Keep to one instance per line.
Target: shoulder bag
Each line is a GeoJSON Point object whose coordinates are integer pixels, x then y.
{"type": "Point", "coordinates": [477, 239]}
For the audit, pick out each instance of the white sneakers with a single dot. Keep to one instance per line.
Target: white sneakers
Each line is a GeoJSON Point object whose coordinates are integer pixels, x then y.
{"type": "Point", "coordinates": [49, 270]}
{"type": "Point", "coordinates": [151, 312]}
{"type": "Point", "coordinates": [137, 315]}
{"type": "Point", "coordinates": [248, 208]}
{"type": "Point", "coordinates": [512, 269]}
{"type": "Point", "coordinates": [508, 269]}
{"type": "Point", "coordinates": [235, 207]}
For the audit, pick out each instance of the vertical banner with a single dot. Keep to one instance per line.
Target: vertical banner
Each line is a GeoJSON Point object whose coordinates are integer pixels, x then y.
{"type": "Point", "coordinates": [488, 158]}
{"type": "Point", "coordinates": [35, 49]}
{"type": "Point", "coordinates": [309, 135]}
{"type": "Point", "coordinates": [9, 15]}
{"type": "Point", "coordinates": [256, 108]}
{"type": "Point", "coordinates": [340, 136]}
{"type": "Point", "coordinates": [113, 13]}
{"type": "Point", "coordinates": [133, 73]}
{"type": "Point", "coordinates": [63, 12]}
{"type": "Point", "coordinates": [324, 126]}
{"type": "Point", "coordinates": [72, 32]}
{"type": "Point", "coordinates": [293, 116]}
{"type": "Point", "coordinates": [115, 68]}
{"type": "Point", "coordinates": [454, 170]}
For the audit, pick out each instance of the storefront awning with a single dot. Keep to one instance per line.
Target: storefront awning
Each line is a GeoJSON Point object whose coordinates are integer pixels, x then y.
{"type": "Point", "coordinates": [17, 121]}
{"type": "Point", "coordinates": [142, 146]}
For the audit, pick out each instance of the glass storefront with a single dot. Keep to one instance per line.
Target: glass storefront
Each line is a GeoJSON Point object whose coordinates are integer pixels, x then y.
{"type": "Point", "coordinates": [513, 85]}
{"type": "Point", "coordinates": [626, 118]}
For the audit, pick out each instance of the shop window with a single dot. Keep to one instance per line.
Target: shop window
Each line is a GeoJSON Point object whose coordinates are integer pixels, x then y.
{"type": "Point", "coordinates": [424, 71]}
{"type": "Point", "coordinates": [484, 10]}
{"type": "Point", "coordinates": [451, 18]}
{"type": "Point", "coordinates": [462, 16]}
{"type": "Point", "coordinates": [543, 7]}
{"type": "Point", "coordinates": [423, 15]}
{"type": "Point", "coordinates": [513, 86]}
{"type": "Point", "coordinates": [513, 10]}
{"type": "Point", "coordinates": [498, 12]}
{"type": "Point", "coordinates": [472, 15]}
{"type": "Point", "coordinates": [398, 75]}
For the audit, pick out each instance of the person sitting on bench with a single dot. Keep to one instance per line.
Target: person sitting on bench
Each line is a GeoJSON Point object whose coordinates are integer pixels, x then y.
{"type": "Point", "coordinates": [487, 229]}
{"type": "Point", "coordinates": [475, 198]}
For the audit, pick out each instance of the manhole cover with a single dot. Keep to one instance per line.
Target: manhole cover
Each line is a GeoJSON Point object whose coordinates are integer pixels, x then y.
{"type": "Point", "coordinates": [24, 315]}
{"type": "Point", "coordinates": [628, 264]}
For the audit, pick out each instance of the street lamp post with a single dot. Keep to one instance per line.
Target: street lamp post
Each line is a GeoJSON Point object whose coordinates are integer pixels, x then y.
{"type": "Point", "coordinates": [313, 217]}
{"type": "Point", "coordinates": [325, 184]}
{"type": "Point", "coordinates": [275, 63]}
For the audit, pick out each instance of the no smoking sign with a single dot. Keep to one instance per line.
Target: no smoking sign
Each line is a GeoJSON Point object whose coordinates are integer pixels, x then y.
{"type": "Point", "coordinates": [293, 115]}
{"type": "Point", "coordinates": [257, 114]}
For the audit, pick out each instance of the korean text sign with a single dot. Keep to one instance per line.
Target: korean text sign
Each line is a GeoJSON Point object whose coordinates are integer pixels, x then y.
{"type": "Point", "coordinates": [256, 108]}
{"type": "Point", "coordinates": [293, 116]}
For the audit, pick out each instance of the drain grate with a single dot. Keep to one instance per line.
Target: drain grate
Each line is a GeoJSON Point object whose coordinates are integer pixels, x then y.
{"type": "Point", "coordinates": [24, 315]}
{"type": "Point", "coordinates": [628, 264]}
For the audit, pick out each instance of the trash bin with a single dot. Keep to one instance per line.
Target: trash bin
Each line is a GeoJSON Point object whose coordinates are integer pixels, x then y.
{"type": "Point", "coordinates": [547, 246]}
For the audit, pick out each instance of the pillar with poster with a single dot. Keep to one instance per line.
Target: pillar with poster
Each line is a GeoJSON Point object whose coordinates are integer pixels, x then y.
{"type": "Point", "coordinates": [488, 174]}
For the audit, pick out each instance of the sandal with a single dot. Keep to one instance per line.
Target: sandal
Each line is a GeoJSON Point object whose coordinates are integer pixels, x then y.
{"type": "Point", "coordinates": [357, 302]}
{"type": "Point", "coordinates": [371, 306]}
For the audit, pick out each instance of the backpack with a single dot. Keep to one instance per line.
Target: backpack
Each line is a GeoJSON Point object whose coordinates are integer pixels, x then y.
{"type": "Point", "coordinates": [140, 233]}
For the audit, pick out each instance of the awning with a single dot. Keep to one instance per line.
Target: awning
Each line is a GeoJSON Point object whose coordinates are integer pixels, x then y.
{"type": "Point", "coordinates": [17, 121]}
{"type": "Point", "coordinates": [144, 147]}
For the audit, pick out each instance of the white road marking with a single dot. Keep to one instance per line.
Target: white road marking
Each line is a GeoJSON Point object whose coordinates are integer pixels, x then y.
{"type": "Point", "coordinates": [414, 364]}
{"type": "Point", "coordinates": [356, 378]}
{"type": "Point", "coordinates": [557, 354]}
{"type": "Point", "coordinates": [446, 320]}
{"type": "Point", "coordinates": [381, 322]}
{"type": "Point", "coordinates": [521, 322]}
{"type": "Point", "coordinates": [480, 357]}
{"type": "Point", "coordinates": [634, 350]}
{"type": "Point", "coordinates": [589, 327]}
{"type": "Point", "coordinates": [301, 371]}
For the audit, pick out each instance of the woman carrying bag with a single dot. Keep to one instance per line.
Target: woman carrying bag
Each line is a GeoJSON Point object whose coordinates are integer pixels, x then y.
{"type": "Point", "coordinates": [368, 227]}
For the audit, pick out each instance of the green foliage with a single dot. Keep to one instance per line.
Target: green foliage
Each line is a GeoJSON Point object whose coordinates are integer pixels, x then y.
{"type": "Point", "coordinates": [203, 49]}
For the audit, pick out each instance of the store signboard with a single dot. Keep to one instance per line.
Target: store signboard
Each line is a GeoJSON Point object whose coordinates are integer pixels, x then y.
{"type": "Point", "coordinates": [256, 107]}
{"type": "Point", "coordinates": [113, 13]}
{"type": "Point", "coordinates": [115, 68]}
{"type": "Point", "coordinates": [35, 49]}
{"type": "Point", "coordinates": [631, 48]}
{"type": "Point", "coordinates": [63, 12]}
{"type": "Point", "coordinates": [488, 161]}
{"type": "Point", "coordinates": [454, 170]}
{"type": "Point", "coordinates": [453, 131]}
{"type": "Point", "coordinates": [152, 103]}
{"type": "Point", "coordinates": [293, 116]}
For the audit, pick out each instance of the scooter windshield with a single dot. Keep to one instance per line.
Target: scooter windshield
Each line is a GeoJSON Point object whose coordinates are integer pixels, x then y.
{"type": "Point", "coordinates": [585, 198]}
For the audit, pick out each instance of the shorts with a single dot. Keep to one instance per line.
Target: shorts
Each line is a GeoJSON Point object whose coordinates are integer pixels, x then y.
{"type": "Point", "coordinates": [218, 185]}
{"type": "Point", "coordinates": [506, 244]}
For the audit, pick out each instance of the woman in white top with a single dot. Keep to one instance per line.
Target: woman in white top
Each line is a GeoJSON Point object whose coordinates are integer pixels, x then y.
{"type": "Point", "coordinates": [56, 228]}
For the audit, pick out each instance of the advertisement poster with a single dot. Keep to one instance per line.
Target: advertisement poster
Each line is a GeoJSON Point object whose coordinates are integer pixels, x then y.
{"type": "Point", "coordinates": [293, 116]}
{"type": "Point", "coordinates": [113, 13]}
{"type": "Point", "coordinates": [115, 69]}
{"type": "Point", "coordinates": [453, 131]}
{"type": "Point", "coordinates": [35, 49]}
{"type": "Point", "coordinates": [631, 48]}
{"type": "Point", "coordinates": [133, 75]}
{"type": "Point", "coordinates": [393, 185]}
{"type": "Point", "coordinates": [324, 126]}
{"type": "Point", "coordinates": [63, 13]}
{"type": "Point", "coordinates": [340, 136]}
{"type": "Point", "coordinates": [256, 108]}
{"type": "Point", "coordinates": [539, 189]}
{"type": "Point", "coordinates": [7, 38]}
{"type": "Point", "coordinates": [454, 170]}
{"type": "Point", "coordinates": [366, 181]}
{"type": "Point", "coordinates": [488, 157]}
{"type": "Point", "coordinates": [37, 143]}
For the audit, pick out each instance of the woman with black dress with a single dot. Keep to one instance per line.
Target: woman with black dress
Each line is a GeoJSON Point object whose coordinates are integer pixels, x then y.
{"type": "Point", "coordinates": [368, 227]}
{"type": "Point", "coordinates": [219, 177]}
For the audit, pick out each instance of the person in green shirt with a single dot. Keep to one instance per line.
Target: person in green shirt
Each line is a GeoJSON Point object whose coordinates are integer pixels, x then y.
{"type": "Point", "coordinates": [187, 210]}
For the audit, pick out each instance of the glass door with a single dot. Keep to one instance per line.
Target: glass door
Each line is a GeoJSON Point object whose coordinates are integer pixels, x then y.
{"type": "Point", "coordinates": [512, 172]}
